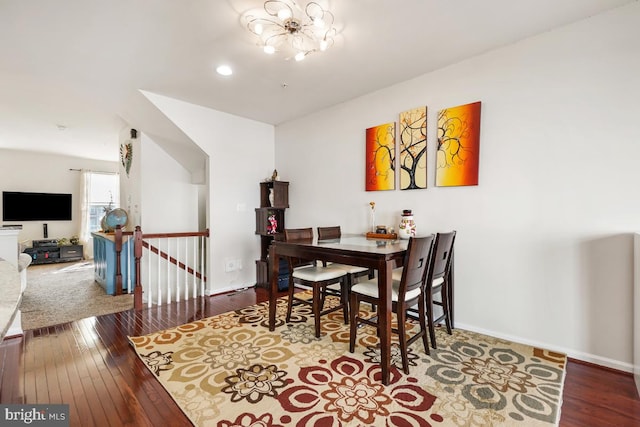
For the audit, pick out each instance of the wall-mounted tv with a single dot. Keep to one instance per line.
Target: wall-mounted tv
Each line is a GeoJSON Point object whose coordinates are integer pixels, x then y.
{"type": "Point", "coordinates": [21, 206]}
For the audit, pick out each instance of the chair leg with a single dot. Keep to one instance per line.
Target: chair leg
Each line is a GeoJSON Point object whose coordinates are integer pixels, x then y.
{"type": "Point", "coordinates": [422, 316]}
{"type": "Point", "coordinates": [323, 298]}
{"type": "Point", "coordinates": [316, 308]}
{"type": "Point", "coordinates": [371, 276]}
{"type": "Point", "coordinates": [432, 331]}
{"type": "Point", "coordinates": [444, 294]}
{"type": "Point", "coordinates": [345, 289]}
{"type": "Point", "coordinates": [402, 336]}
{"type": "Point", "coordinates": [290, 302]}
{"type": "Point", "coordinates": [354, 302]}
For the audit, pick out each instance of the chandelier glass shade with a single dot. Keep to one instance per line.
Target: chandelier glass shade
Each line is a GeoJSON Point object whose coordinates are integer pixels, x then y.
{"type": "Point", "coordinates": [285, 26]}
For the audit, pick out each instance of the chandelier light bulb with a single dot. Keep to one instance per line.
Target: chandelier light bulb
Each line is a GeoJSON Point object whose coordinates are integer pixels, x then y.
{"type": "Point", "coordinates": [284, 13]}
{"type": "Point", "coordinates": [292, 29]}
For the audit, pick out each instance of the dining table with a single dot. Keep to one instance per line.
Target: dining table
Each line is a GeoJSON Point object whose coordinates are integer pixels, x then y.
{"type": "Point", "coordinates": [382, 255]}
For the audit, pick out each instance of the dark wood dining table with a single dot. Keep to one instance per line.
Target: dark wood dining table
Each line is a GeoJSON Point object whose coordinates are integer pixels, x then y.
{"type": "Point", "coordinates": [382, 255]}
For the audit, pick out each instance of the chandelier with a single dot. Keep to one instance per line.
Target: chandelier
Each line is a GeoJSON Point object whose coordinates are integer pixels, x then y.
{"type": "Point", "coordinates": [285, 26]}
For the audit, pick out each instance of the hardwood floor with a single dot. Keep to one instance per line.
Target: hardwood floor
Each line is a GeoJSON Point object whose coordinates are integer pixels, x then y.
{"type": "Point", "coordinates": [89, 365]}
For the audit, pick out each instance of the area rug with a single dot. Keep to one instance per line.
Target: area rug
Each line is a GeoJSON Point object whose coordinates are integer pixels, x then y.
{"type": "Point", "coordinates": [229, 370]}
{"type": "Point", "coordinates": [64, 292]}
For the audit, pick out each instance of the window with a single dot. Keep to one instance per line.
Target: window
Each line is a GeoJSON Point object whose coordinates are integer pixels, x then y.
{"type": "Point", "coordinates": [103, 194]}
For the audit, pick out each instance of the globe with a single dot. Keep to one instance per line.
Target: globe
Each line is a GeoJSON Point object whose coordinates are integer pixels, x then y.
{"type": "Point", "coordinates": [116, 217]}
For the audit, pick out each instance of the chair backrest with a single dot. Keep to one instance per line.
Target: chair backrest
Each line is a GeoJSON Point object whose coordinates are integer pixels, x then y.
{"type": "Point", "coordinates": [443, 248]}
{"type": "Point", "coordinates": [416, 261]}
{"type": "Point", "coordinates": [304, 235]}
{"type": "Point", "coordinates": [329, 233]}
{"type": "Point", "coordinates": [298, 234]}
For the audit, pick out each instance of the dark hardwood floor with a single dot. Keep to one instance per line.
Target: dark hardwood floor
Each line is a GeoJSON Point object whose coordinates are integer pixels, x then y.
{"type": "Point", "coordinates": [89, 365]}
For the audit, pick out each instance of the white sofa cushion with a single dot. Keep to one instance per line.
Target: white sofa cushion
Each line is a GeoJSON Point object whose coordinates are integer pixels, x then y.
{"type": "Point", "coordinates": [10, 296]}
{"type": "Point", "coordinates": [24, 261]}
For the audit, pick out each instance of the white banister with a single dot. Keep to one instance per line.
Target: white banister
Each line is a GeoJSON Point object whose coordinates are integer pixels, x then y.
{"type": "Point", "coordinates": [166, 256]}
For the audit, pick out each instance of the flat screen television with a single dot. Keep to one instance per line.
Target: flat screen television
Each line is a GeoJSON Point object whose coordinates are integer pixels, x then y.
{"type": "Point", "coordinates": [21, 206]}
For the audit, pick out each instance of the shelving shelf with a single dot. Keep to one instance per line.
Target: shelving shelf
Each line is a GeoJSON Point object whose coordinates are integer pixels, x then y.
{"type": "Point", "coordinates": [270, 206]}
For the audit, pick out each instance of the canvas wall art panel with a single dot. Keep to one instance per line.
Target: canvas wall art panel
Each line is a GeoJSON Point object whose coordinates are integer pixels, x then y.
{"type": "Point", "coordinates": [380, 157]}
{"type": "Point", "coordinates": [458, 154]}
{"type": "Point", "coordinates": [413, 149]}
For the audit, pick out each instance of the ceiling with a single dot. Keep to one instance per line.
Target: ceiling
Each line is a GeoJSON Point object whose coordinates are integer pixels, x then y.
{"type": "Point", "coordinates": [71, 71]}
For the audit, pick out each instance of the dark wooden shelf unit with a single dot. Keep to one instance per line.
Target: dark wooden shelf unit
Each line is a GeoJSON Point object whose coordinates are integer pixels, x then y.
{"type": "Point", "coordinates": [280, 194]}
{"type": "Point", "coordinates": [280, 191]}
{"type": "Point", "coordinates": [262, 221]}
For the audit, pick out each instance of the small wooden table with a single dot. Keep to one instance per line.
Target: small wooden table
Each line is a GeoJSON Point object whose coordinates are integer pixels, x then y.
{"type": "Point", "coordinates": [382, 255]}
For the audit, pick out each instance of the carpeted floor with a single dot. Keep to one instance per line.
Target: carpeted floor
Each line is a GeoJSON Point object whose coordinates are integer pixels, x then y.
{"type": "Point", "coordinates": [63, 292]}
{"type": "Point", "coordinates": [229, 370]}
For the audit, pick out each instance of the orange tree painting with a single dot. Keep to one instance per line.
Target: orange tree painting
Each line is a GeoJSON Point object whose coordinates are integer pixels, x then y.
{"type": "Point", "coordinates": [413, 149]}
{"type": "Point", "coordinates": [458, 154]}
{"type": "Point", "coordinates": [380, 158]}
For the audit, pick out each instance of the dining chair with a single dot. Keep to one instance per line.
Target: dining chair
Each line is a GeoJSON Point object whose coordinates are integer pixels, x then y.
{"type": "Point", "coordinates": [317, 277]}
{"type": "Point", "coordinates": [404, 294]}
{"type": "Point", "coordinates": [437, 282]}
{"type": "Point", "coordinates": [353, 272]}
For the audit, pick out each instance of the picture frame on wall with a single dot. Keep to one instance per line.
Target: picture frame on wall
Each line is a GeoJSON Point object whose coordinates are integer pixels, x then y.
{"type": "Point", "coordinates": [458, 153]}
{"type": "Point", "coordinates": [380, 173]}
{"type": "Point", "coordinates": [412, 164]}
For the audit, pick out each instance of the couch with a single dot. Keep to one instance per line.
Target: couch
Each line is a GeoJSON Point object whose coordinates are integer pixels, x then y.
{"type": "Point", "coordinates": [13, 282]}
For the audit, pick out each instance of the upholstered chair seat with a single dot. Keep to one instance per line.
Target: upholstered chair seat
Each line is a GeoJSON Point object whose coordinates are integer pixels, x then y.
{"type": "Point", "coordinates": [309, 274]}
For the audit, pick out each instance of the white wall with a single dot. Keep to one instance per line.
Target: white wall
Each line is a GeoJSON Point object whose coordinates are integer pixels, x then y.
{"type": "Point", "coordinates": [544, 247]}
{"type": "Point", "coordinates": [47, 173]}
{"type": "Point", "coordinates": [168, 204]}
{"type": "Point", "coordinates": [131, 183]}
{"type": "Point", "coordinates": [168, 198]}
{"type": "Point", "coordinates": [241, 154]}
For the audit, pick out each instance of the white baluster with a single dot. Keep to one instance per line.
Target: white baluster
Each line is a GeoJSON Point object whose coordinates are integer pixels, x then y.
{"type": "Point", "coordinates": [159, 275]}
{"type": "Point", "coordinates": [195, 264]}
{"type": "Point", "coordinates": [168, 276]}
{"type": "Point", "coordinates": [149, 278]}
{"type": "Point", "coordinates": [202, 266]}
{"type": "Point", "coordinates": [129, 243]}
{"type": "Point", "coordinates": [186, 268]}
{"type": "Point", "coordinates": [177, 268]}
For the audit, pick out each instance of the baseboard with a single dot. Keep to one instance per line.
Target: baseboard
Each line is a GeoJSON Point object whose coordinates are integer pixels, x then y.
{"type": "Point", "coordinates": [228, 289]}
{"type": "Point", "coordinates": [586, 357]}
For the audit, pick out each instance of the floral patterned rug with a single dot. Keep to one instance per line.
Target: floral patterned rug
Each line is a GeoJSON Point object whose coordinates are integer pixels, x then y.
{"type": "Point", "coordinates": [229, 370]}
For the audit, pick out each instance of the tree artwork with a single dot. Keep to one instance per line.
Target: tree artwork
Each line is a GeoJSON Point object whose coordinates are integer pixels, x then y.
{"type": "Point", "coordinates": [380, 157]}
{"type": "Point", "coordinates": [458, 154]}
{"type": "Point", "coordinates": [413, 149]}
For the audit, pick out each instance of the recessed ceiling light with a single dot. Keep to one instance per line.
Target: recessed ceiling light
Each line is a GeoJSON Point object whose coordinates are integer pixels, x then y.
{"type": "Point", "coordinates": [224, 70]}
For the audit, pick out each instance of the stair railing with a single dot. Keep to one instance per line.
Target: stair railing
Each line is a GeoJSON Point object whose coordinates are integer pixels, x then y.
{"type": "Point", "coordinates": [168, 266]}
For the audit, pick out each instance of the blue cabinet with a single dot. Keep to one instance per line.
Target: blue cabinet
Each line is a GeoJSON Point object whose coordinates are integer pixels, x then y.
{"type": "Point", "coordinates": [104, 261]}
